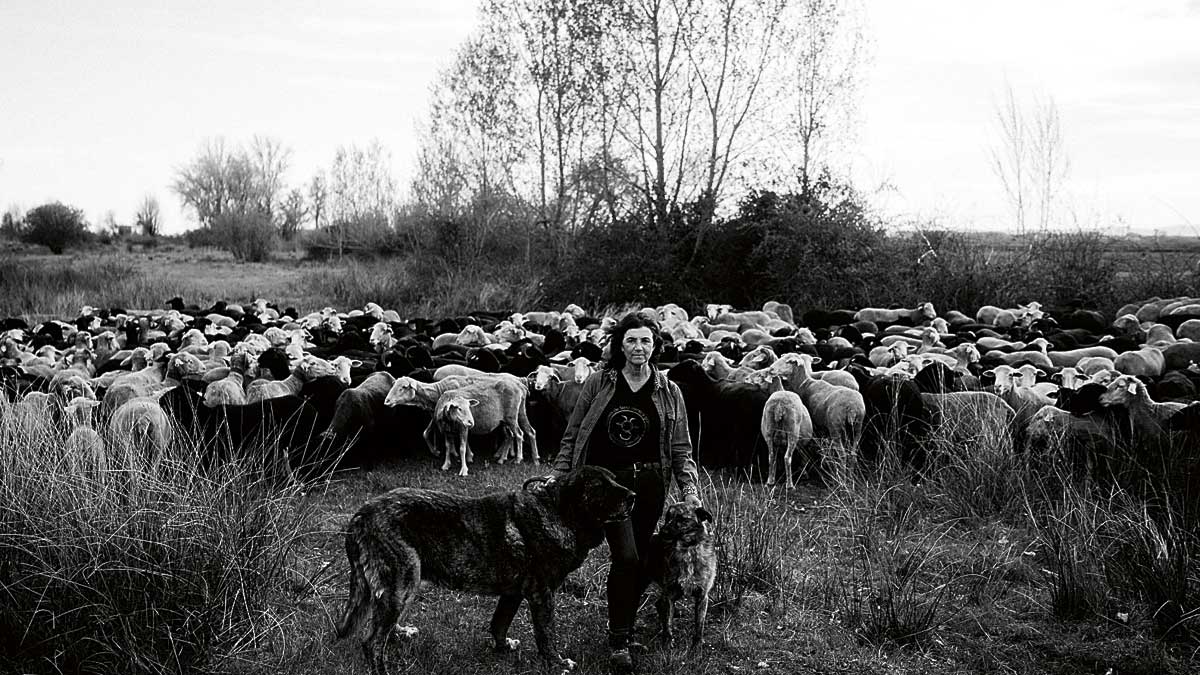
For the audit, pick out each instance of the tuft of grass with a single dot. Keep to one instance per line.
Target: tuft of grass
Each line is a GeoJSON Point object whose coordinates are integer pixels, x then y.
{"type": "Point", "coordinates": [758, 532]}
{"type": "Point", "coordinates": [116, 564]}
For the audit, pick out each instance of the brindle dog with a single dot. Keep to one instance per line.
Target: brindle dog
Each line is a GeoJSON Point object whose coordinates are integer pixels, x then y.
{"type": "Point", "coordinates": [518, 545]}
{"type": "Point", "coordinates": [682, 562]}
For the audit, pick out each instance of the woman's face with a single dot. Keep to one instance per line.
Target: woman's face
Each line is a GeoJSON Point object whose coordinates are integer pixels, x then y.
{"type": "Point", "coordinates": [638, 345]}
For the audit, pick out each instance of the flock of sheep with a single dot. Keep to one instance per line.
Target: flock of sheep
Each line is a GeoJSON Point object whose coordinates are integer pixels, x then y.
{"type": "Point", "coordinates": [759, 385]}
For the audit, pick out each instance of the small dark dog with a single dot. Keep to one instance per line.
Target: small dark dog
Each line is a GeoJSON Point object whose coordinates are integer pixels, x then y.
{"type": "Point", "coordinates": [518, 545]}
{"type": "Point", "coordinates": [682, 562]}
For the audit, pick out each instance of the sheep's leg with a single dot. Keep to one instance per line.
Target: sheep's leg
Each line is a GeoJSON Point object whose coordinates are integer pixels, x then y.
{"type": "Point", "coordinates": [504, 447]}
{"type": "Point", "coordinates": [518, 442]}
{"type": "Point", "coordinates": [772, 453]}
{"type": "Point", "coordinates": [523, 420]}
{"type": "Point", "coordinates": [463, 450]}
{"type": "Point", "coordinates": [430, 436]}
{"type": "Point", "coordinates": [787, 460]}
{"type": "Point", "coordinates": [447, 440]}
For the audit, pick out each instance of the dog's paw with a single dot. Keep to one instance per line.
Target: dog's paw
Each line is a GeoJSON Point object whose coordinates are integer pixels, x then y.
{"type": "Point", "coordinates": [568, 665]}
{"type": "Point", "coordinates": [510, 645]}
{"type": "Point", "coordinates": [407, 631]}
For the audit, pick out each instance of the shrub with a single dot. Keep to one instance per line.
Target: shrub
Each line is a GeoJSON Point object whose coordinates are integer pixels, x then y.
{"type": "Point", "coordinates": [249, 236]}
{"type": "Point", "coordinates": [55, 226]}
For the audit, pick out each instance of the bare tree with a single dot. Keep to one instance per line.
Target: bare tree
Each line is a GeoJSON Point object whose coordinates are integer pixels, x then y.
{"type": "Point", "coordinates": [655, 118]}
{"type": "Point", "coordinates": [292, 212]}
{"type": "Point", "coordinates": [148, 217]}
{"type": "Point", "coordinates": [561, 54]}
{"type": "Point", "coordinates": [269, 160]}
{"type": "Point", "coordinates": [476, 139]}
{"type": "Point", "coordinates": [1030, 159]}
{"type": "Point", "coordinates": [318, 197]}
{"type": "Point", "coordinates": [203, 184]}
{"type": "Point", "coordinates": [238, 181]}
{"type": "Point", "coordinates": [361, 183]}
{"type": "Point", "coordinates": [362, 194]}
{"type": "Point", "coordinates": [732, 55]}
{"type": "Point", "coordinates": [829, 51]}
{"type": "Point", "coordinates": [1010, 159]}
{"type": "Point", "coordinates": [1050, 162]}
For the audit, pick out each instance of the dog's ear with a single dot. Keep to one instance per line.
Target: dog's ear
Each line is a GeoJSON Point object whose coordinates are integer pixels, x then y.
{"type": "Point", "coordinates": [702, 514]}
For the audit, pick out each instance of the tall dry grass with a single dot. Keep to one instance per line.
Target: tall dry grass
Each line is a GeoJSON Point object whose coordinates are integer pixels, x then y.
{"type": "Point", "coordinates": [114, 564]}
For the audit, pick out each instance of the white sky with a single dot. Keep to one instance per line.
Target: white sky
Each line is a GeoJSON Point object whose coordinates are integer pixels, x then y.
{"type": "Point", "coordinates": [100, 102]}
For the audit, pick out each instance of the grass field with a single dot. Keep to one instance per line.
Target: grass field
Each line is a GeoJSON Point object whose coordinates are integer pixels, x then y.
{"type": "Point", "coordinates": [990, 564]}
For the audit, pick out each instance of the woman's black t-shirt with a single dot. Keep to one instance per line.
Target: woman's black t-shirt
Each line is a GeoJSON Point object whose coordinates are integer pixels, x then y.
{"type": "Point", "coordinates": [628, 429]}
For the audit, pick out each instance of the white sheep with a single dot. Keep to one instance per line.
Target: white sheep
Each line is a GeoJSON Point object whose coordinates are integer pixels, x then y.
{"type": "Point", "coordinates": [232, 389]}
{"type": "Point", "coordinates": [84, 443]}
{"type": "Point", "coordinates": [141, 426]}
{"type": "Point", "coordinates": [454, 421]}
{"type": "Point", "coordinates": [261, 390]}
{"type": "Point", "coordinates": [786, 424]}
{"type": "Point", "coordinates": [837, 412]}
{"type": "Point", "coordinates": [1148, 417]}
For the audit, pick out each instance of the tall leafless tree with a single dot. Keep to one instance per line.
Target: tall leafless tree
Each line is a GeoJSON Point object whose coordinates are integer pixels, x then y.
{"type": "Point", "coordinates": [148, 217]}
{"type": "Point", "coordinates": [1030, 158]}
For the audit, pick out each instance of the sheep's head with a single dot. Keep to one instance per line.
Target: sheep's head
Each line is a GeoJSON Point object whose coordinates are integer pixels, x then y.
{"type": "Point", "coordinates": [575, 311]}
{"type": "Point", "coordinates": [457, 410]}
{"type": "Point", "coordinates": [1003, 375]}
{"type": "Point", "coordinates": [80, 409]}
{"type": "Point", "coordinates": [1038, 344]}
{"type": "Point", "coordinates": [1122, 391]}
{"type": "Point", "coordinates": [543, 376]}
{"type": "Point", "coordinates": [472, 336]}
{"type": "Point", "coordinates": [1048, 422]}
{"type": "Point", "coordinates": [565, 323]}
{"type": "Point", "coordinates": [342, 366]}
{"type": "Point", "coordinates": [506, 331]}
{"type": "Point", "coordinates": [968, 352]}
{"type": "Point", "coordinates": [711, 360]}
{"type": "Point", "coordinates": [137, 358]}
{"type": "Point", "coordinates": [806, 337]}
{"type": "Point", "coordinates": [75, 387]}
{"type": "Point", "coordinates": [185, 364]}
{"type": "Point", "coordinates": [255, 343]}
{"type": "Point", "coordinates": [759, 357]}
{"type": "Point", "coordinates": [381, 332]}
{"type": "Point", "coordinates": [403, 392]}
{"type": "Point", "coordinates": [277, 336]}
{"type": "Point", "coordinates": [927, 311]}
{"type": "Point", "coordinates": [1104, 377]}
{"type": "Point", "coordinates": [582, 369]}
{"type": "Point", "coordinates": [373, 309]}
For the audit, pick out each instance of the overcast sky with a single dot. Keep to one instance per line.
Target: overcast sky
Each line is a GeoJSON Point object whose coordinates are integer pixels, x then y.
{"type": "Point", "coordinates": [100, 102]}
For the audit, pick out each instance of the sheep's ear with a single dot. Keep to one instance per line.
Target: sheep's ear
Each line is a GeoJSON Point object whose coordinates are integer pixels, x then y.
{"type": "Point", "coordinates": [1132, 387]}
{"type": "Point", "coordinates": [815, 360]}
{"type": "Point", "coordinates": [473, 401]}
{"type": "Point", "coordinates": [355, 363]}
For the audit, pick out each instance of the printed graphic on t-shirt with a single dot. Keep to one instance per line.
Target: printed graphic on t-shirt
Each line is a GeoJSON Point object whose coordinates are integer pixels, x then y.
{"type": "Point", "coordinates": [627, 426]}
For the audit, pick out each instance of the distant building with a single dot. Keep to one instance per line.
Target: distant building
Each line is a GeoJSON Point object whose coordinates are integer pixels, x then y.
{"type": "Point", "coordinates": [124, 230]}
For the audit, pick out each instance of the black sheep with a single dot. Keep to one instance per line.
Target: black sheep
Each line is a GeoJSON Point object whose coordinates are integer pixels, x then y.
{"type": "Point", "coordinates": [897, 417]}
{"type": "Point", "coordinates": [726, 416]}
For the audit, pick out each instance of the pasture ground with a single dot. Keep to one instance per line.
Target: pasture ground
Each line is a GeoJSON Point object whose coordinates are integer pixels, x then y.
{"type": "Point", "coordinates": [987, 566]}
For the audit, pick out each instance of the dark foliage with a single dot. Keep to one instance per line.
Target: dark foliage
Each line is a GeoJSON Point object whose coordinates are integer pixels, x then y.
{"type": "Point", "coordinates": [55, 226]}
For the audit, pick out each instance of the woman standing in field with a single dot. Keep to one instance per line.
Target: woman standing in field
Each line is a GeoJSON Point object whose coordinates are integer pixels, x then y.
{"type": "Point", "coordinates": [631, 420]}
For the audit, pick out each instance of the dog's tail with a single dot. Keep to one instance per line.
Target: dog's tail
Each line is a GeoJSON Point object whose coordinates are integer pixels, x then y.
{"type": "Point", "coordinates": [358, 602]}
